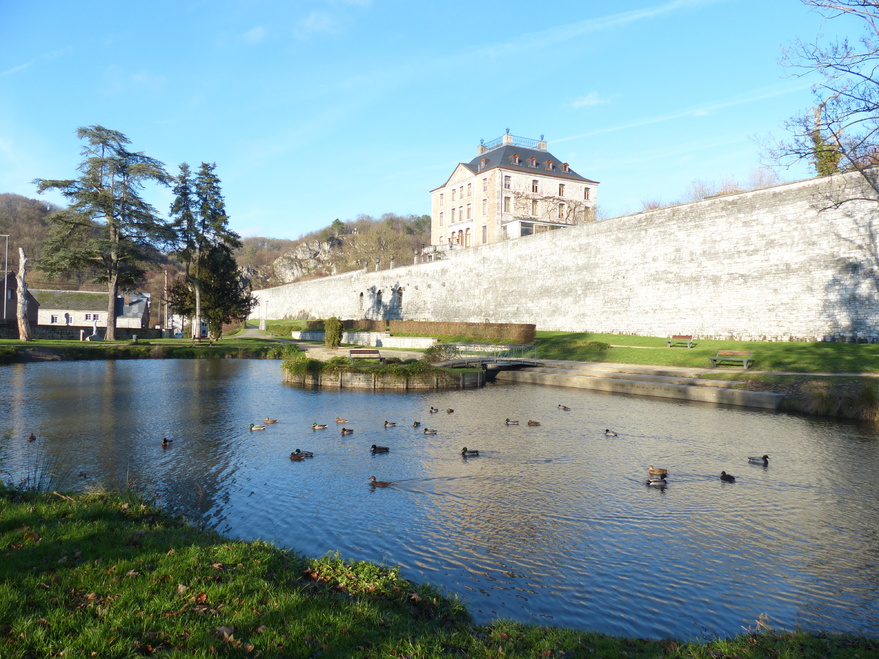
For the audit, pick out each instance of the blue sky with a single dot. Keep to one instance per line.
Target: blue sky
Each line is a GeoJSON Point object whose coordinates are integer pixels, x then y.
{"type": "Point", "coordinates": [321, 109]}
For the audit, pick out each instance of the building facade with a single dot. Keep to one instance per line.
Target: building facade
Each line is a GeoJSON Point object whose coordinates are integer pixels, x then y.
{"type": "Point", "coordinates": [89, 308]}
{"type": "Point", "coordinates": [514, 187]}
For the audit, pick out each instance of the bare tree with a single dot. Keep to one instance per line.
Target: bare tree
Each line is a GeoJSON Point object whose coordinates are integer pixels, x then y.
{"type": "Point", "coordinates": [841, 131]}
{"type": "Point", "coordinates": [24, 327]}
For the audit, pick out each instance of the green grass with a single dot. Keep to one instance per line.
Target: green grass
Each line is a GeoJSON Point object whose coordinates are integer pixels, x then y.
{"type": "Point", "coordinates": [768, 355]}
{"type": "Point", "coordinates": [108, 575]}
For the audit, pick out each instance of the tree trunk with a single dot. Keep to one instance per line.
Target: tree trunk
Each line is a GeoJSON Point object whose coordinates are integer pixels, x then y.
{"type": "Point", "coordinates": [24, 327]}
{"type": "Point", "coordinates": [110, 334]}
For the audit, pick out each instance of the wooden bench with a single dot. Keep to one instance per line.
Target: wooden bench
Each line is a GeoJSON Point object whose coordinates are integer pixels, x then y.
{"type": "Point", "coordinates": [365, 353]}
{"type": "Point", "coordinates": [680, 339]}
{"type": "Point", "coordinates": [742, 357]}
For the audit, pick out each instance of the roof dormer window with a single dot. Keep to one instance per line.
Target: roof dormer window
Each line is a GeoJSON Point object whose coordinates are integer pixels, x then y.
{"type": "Point", "coordinates": [515, 159]}
{"type": "Point", "coordinates": [532, 161]}
{"type": "Point", "coordinates": [482, 163]}
{"type": "Point", "coordinates": [550, 165]}
{"type": "Point", "coordinates": [565, 167]}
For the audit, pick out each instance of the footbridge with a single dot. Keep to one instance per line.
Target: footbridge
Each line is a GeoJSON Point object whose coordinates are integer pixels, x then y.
{"type": "Point", "coordinates": [489, 356]}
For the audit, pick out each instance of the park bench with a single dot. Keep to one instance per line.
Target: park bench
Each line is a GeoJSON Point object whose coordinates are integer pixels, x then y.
{"type": "Point", "coordinates": [742, 357]}
{"type": "Point", "coordinates": [364, 353]}
{"type": "Point", "coordinates": [680, 339]}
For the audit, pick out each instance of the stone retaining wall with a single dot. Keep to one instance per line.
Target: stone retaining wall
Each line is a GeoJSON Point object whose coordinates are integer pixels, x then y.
{"type": "Point", "coordinates": [783, 263]}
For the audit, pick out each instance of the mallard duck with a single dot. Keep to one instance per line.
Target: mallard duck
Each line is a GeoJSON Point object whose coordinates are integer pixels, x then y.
{"type": "Point", "coordinates": [318, 426]}
{"type": "Point", "coordinates": [347, 431]}
{"type": "Point", "coordinates": [390, 424]}
{"type": "Point", "coordinates": [304, 454]}
{"type": "Point", "coordinates": [511, 423]}
{"type": "Point", "coordinates": [469, 453]}
{"type": "Point", "coordinates": [657, 482]}
{"type": "Point", "coordinates": [429, 431]}
{"type": "Point", "coordinates": [297, 457]}
{"type": "Point", "coordinates": [166, 443]}
{"type": "Point", "coordinates": [341, 420]}
{"type": "Point", "coordinates": [760, 461]}
{"type": "Point", "coordinates": [449, 411]}
{"type": "Point", "coordinates": [609, 433]}
{"type": "Point", "coordinates": [657, 472]}
{"type": "Point", "coordinates": [375, 483]}
{"type": "Point", "coordinates": [433, 410]}
{"type": "Point", "coordinates": [379, 449]}
{"type": "Point", "coordinates": [32, 437]}
{"type": "Point", "coordinates": [533, 423]}
{"type": "Point", "coordinates": [416, 424]}
{"type": "Point", "coordinates": [268, 421]}
{"type": "Point", "coordinates": [564, 408]}
{"type": "Point", "coordinates": [727, 478]}
{"type": "Point", "coordinates": [253, 426]}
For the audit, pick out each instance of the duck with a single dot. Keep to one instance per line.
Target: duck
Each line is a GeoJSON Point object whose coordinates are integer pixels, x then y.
{"type": "Point", "coordinates": [429, 431]}
{"type": "Point", "coordinates": [318, 426]}
{"type": "Point", "coordinates": [416, 424]}
{"type": "Point", "coordinates": [32, 437]}
{"type": "Point", "coordinates": [564, 408]}
{"type": "Point", "coordinates": [759, 461]}
{"type": "Point", "coordinates": [390, 424]}
{"type": "Point", "coordinates": [609, 433]}
{"type": "Point", "coordinates": [656, 472]}
{"type": "Point", "coordinates": [511, 423]}
{"type": "Point", "coordinates": [166, 443]}
{"type": "Point", "coordinates": [469, 453]}
{"type": "Point", "coordinates": [380, 449]}
{"type": "Point", "coordinates": [347, 431]}
{"type": "Point", "coordinates": [268, 421]}
{"type": "Point", "coordinates": [533, 423]}
{"type": "Point", "coordinates": [433, 410]}
{"type": "Point", "coordinates": [375, 483]}
{"type": "Point", "coordinates": [449, 411]}
{"type": "Point", "coordinates": [296, 457]}
{"type": "Point", "coordinates": [727, 478]}
{"type": "Point", "coordinates": [253, 426]}
{"type": "Point", "coordinates": [341, 420]}
{"type": "Point", "coordinates": [304, 454]}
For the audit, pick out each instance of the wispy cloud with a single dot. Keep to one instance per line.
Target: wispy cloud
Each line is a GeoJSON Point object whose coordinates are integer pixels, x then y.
{"type": "Point", "coordinates": [116, 80]}
{"type": "Point", "coordinates": [317, 22]}
{"type": "Point", "coordinates": [254, 35]}
{"type": "Point", "coordinates": [707, 109]}
{"type": "Point", "coordinates": [591, 99]}
{"type": "Point", "coordinates": [23, 67]}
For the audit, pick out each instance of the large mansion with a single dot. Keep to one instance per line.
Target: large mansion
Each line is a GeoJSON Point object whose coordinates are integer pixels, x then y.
{"type": "Point", "coordinates": [513, 187]}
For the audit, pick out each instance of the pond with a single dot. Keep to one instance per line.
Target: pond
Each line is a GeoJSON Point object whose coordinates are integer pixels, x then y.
{"type": "Point", "coordinates": [551, 524]}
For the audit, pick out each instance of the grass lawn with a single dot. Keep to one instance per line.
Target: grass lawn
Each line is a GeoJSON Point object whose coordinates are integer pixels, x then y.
{"type": "Point", "coordinates": [108, 575]}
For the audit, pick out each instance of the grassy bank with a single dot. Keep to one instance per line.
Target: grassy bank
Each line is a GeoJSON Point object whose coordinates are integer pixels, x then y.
{"type": "Point", "coordinates": [101, 575]}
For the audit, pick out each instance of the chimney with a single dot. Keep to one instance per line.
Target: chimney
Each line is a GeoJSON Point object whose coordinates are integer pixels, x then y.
{"type": "Point", "coordinates": [481, 148]}
{"type": "Point", "coordinates": [541, 145]}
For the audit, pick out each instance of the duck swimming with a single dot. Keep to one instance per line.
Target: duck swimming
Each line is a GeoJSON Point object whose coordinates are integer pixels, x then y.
{"type": "Point", "coordinates": [511, 423]}
{"type": "Point", "coordinates": [347, 431]}
{"type": "Point", "coordinates": [32, 437]}
{"type": "Point", "coordinates": [609, 433]}
{"type": "Point", "coordinates": [564, 408]}
{"type": "Point", "coordinates": [304, 454]}
{"type": "Point", "coordinates": [433, 410]}
{"type": "Point", "coordinates": [390, 424]}
{"type": "Point", "coordinates": [469, 453]}
{"type": "Point", "coordinates": [416, 424]}
{"type": "Point", "coordinates": [318, 426]}
{"type": "Point", "coordinates": [341, 420]}
{"type": "Point", "coordinates": [429, 431]}
{"type": "Point", "coordinates": [533, 423]}
{"type": "Point", "coordinates": [449, 411]}
{"type": "Point", "coordinates": [760, 461]}
{"type": "Point", "coordinates": [380, 449]}
{"type": "Point", "coordinates": [268, 421]}
{"type": "Point", "coordinates": [296, 457]}
{"type": "Point", "coordinates": [253, 426]}
{"type": "Point", "coordinates": [375, 483]}
{"type": "Point", "coordinates": [727, 478]}
{"type": "Point", "coordinates": [166, 443]}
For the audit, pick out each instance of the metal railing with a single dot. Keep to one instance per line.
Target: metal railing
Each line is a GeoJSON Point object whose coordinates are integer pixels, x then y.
{"type": "Point", "coordinates": [492, 350]}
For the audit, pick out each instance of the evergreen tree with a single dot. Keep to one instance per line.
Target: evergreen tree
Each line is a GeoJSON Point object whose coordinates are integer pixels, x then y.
{"type": "Point", "coordinates": [107, 227]}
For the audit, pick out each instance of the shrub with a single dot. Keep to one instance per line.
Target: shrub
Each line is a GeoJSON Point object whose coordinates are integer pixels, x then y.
{"type": "Point", "coordinates": [439, 352]}
{"type": "Point", "coordinates": [333, 332]}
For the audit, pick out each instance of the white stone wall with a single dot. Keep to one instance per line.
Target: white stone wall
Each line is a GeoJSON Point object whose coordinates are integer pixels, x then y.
{"type": "Point", "coordinates": [767, 264]}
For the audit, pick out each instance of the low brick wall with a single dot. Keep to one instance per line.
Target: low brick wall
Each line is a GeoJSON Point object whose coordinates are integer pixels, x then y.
{"type": "Point", "coordinates": [67, 333]}
{"type": "Point", "coordinates": [374, 382]}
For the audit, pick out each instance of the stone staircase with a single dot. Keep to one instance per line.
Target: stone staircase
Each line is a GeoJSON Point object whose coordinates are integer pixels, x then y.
{"type": "Point", "coordinates": [659, 381]}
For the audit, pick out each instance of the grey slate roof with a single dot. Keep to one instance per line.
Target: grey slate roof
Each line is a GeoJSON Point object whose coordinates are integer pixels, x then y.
{"type": "Point", "coordinates": [503, 157]}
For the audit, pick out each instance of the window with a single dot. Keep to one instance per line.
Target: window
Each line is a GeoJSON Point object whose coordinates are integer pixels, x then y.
{"type": "Point", "coordinates": [469, 191]}
{"type": "Point", "coordinates": [549, 165]}
{"type": "Point", "coordinates": [88, 316]}
{"type": "Point", "coordinates": [534, 207]}
{"type": "Point", "coordinates": [561, 189]}
{"type": "Point", "coordinates": [534, 185]}
{"type": "Point", "coordinates": [586, 194]}
{"type": "Point", "coordinates": [484, 234]}
{"type": "Point", "coordinates": [399, 298]}
{"type": "Point", "coordinates": [441, 198]}
{"type": "Point", "coordinates": [462, 192]}
{"type": "Point", "coordinates": [482, 163]}
{"type": "Point", "coordinates": [515, 159]}
{"type": "Point", "coordinates": [361, 295]}
{"type": "Point", "coordinates": [469, 214]}
{"type": "Point", "coordinates": [561, 211]}
{"type": "Point", "coordinates": [485, 185]}
{"type": "Point", "coordinates": [467, 238]}
{"type": "Point", "coordinates": [378, 298]}
{"type": "Point", "coordinates": [506, 182]}
{"type": "Point", "coordinates": [532, 161]}
{"type": "Point", "coordinates": [441, 218]}
{"type": "Point", "coordinates": [565, 167]}
{"type": "Point", "coordinates": [453, 216]}
{"type": "Point", "coordinates": [460, 214]}
{"type": "Point", "coordinates": [485, 206]}
{"type": "Point", "coordinates": [453, 194]}
{"type": "Point", "coordinates": [506, 204]}
{"type": "Point", "coordinates": [53, 319]}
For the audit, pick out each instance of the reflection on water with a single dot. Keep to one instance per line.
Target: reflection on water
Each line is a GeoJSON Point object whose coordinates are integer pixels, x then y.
{"type": "Point", "coordinates": [552, 524]}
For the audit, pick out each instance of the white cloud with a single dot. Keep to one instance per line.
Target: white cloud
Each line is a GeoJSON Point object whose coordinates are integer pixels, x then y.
{"type": "Point", "coordinates": [254, 35]}
{"type": "Point", "coordinates": [315, 23]}
{"type": "Point", "coordinates": [591, 99]}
